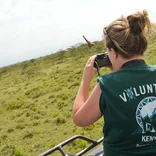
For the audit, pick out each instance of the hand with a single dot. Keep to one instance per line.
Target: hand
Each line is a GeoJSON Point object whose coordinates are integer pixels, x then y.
{"type": "Point", "coordinates": [89, 70]}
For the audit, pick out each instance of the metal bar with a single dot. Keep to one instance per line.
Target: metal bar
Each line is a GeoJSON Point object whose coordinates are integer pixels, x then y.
{"type": "Point", "coordinates": [59, 146]}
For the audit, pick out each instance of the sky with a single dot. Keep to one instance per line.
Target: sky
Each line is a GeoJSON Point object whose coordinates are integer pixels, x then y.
{"type": "Point", "coordinates": [35, 28]}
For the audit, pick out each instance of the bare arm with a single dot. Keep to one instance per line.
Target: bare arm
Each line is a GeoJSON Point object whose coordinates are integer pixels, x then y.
{"type": "Point", "coordinates": [86, 108]}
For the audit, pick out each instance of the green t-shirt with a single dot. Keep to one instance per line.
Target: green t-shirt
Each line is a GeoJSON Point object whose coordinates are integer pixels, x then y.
{"type": "Point", "coordinates": [128, 103]}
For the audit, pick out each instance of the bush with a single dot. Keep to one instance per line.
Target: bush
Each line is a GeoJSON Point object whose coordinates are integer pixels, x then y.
{"type": "Point", "coordinates": [18, 152]}
{"type": "Point", "coordinates": [28, 135]}
{"type": "Point", "coordinates": [13, 105]}
{"type": "Point", "coordinates": [20, 126]}
{"type": "Point", "coordinates": [81, 143]}
{"type": "Point", "coordinates": [60, 120]}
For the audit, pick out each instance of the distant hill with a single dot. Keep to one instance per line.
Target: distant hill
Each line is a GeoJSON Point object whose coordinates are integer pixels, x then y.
{"type": "Point", "coordinates": [37, 96]}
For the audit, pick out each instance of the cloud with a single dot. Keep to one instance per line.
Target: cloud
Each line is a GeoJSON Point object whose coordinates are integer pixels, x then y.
{"type": "Point", "coordinates": [34, 28]}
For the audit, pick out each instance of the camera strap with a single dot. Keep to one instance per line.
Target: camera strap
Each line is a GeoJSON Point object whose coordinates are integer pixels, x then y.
{"type": "Point", "coordinates": [97, 68]}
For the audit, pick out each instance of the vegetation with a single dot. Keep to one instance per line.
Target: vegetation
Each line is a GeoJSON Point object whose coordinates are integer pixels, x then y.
{"type": "Point", "coordinates": [36, 101]}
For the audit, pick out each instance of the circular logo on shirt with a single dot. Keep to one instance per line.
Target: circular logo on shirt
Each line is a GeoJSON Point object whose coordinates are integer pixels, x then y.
{"type": "Point", "coordinates": [146, 114]}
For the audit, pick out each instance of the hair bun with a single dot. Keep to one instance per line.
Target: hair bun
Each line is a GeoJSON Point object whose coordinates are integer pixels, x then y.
{"type": "Point", "coordinates": [137, 22]}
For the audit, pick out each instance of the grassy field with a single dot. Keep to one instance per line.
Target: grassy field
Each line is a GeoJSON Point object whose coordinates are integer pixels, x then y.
{"type": "Point", "coordinates": [36, 99]}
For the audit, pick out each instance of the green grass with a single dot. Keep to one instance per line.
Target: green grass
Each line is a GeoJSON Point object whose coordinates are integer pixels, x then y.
{"type": "Point", "coordinates": [37, 97]}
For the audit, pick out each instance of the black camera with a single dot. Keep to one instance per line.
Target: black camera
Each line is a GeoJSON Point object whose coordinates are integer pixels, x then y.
{"type": "Point", "coordinates": [101, 60]}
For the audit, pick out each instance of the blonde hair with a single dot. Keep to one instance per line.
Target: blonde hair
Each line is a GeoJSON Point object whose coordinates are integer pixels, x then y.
{"type": "Point", "coordinates": [128, 36]}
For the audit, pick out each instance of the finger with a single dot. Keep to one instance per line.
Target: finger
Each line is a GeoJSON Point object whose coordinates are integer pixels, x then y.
{"type": "Point", "coordinates": [92, 58]}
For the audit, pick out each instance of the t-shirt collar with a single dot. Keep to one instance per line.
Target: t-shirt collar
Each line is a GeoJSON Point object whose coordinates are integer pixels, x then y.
{"type": "Point", "coordinates": [133, 62]}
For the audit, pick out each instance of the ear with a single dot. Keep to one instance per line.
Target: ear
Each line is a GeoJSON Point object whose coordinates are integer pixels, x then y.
{"type": "Point", "coordinates": [115, 54]}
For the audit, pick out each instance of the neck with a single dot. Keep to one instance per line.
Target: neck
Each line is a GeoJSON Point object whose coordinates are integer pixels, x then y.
{"type": "Point", "coordinates": [124, 60]}
{"type": "Point", "coordinates": [133, 58]}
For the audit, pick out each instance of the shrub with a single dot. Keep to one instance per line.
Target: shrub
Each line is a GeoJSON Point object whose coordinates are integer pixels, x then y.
{"type": "Point", "coordinates": [18, 152]}
{"type": "Point", "coordinates": [13, 105]}
{"type": "Point", "coordinates": [81, 143]}
{"type": "Point", "coordinates": [60, 120]}
{"type": "Point", "coordinates": [4, 136]}
{"type": "Point", "coordinates": [20, 126]}
{"type": "Point", "coordinates": [28, 135]}
{"type": "Point", "coordinates": [10, 130]}
{"type": "Point", "coordinates": [61, 104]}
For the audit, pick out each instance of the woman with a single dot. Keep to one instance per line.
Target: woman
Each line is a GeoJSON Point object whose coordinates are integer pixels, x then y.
{"type": "Point", "coordinates": [125, 97]}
